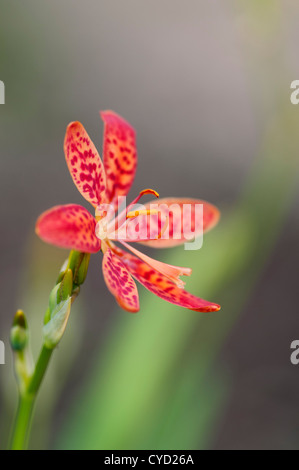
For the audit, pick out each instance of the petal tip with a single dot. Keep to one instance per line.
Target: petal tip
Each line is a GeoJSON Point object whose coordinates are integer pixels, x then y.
{"type": "Point", "coordinates": [216, 308]}
{"type": "Point", "coordinates": [111, 117]}
{"type": "Point", "coordinates": [73, 125]}
{"type": "Point", "coordinates": [127, 307]}
{"type": "Point", "coordinates": [210, 308]}
{"type": "Point", "coordinates": [133, 311]}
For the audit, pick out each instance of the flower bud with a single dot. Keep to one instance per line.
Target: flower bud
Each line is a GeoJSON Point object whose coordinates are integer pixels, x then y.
{"type": "Point", "coordinates": [61, 291]}
{"type": "Point", "coordinates": [53, 298]}
{"type": "Point", "coordinates": [65, 286]}
{"type": "Point", "coordinates": [62, 270]}
{"type": "Point", "coordinates": [81, 272]}
{"type": "Point", "coordinates": [54, 329]}
{"type": "Point", "coordinates": [19, 334]}
{"type": "Point", "coordinates": [47, 316]}
{"type": "Point", "coordinates": [78, 263]}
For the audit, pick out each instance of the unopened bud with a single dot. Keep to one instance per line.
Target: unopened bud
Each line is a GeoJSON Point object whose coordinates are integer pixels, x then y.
{"type": "Point", "coordinates": [19, 334]}
{"type": "Point", "coordinates": [65, 286]}
{"type": "Point", "coordinates": [62, 271]}
{"type": "Point", "coordinates": [62, 290]}
{"type": "Point", "coordinates": [53, 298]}
{"type": "Point", "coordinates": [78, 263]}
{"type": "Point", "coordinates": [54, 329]}
{"type": "Point", "coordinates": [81, 272]}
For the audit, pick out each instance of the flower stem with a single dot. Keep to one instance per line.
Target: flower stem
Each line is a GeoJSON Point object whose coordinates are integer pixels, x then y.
{"type": "Point", "coordinates": [40, 369]}
{"type": "Point", "coordinates": [27, 399]}
{"type": "Point", "coordinates": [29, 378]}
{"type": "Point", "coordinates": [22, 424]}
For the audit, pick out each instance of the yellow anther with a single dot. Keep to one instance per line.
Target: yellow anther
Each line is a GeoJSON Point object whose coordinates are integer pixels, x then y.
{"type": "Point", "coordinates": [133, 214]}
{"type": "Point", "coordinates": [149, 191]}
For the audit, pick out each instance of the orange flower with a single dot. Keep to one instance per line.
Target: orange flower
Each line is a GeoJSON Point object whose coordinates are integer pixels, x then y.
{"type": "Point", "coordinates": [104, 185]}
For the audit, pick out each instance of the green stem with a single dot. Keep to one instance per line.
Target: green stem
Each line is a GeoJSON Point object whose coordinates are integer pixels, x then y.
{"type": "Point", "coordinates": [22, 423]}
{"type": "Point", "coordinates": [40, 369]}
{"type": "Point", "coordinates": [23, 418]}
{"type": "Point", "coordinates": [67, 288]}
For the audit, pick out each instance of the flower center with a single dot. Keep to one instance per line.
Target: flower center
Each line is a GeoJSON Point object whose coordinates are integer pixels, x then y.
{"type": "Point", "coordinates": [103, 215]}
{"type": "Point", "coordinates": [109, 223]}
{"type": "Point", "coordinates": [102, 230]}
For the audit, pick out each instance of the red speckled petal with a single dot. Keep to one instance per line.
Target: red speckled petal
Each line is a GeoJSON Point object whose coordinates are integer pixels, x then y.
{"type": "Point", "coordinates": [183, 223]}
{"type": "Point", "coordinates": [84, 164]}
{"type": "Point", "coordinates": [69, 226]}
{"type": "Point", "coordinates": [120, 282]}
{"type": "Point", "coordinates": [162, 286]}
{"type": "Point", "coordinates": [119, 154]}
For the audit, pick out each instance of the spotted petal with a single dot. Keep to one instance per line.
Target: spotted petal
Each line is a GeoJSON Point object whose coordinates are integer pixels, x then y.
{"type": "Point", "coordinates": [179, 220]}
{"type": "Point", "coordinates": [69, 226]}
{"type": "Point", "coordinates": [120, 282]}
{"type": "Point", "coordinates": [119, 154]}
{"type": "Point", "coordinates": [84, 164]}
{"type": "Point", "coordinates": [162, 286]}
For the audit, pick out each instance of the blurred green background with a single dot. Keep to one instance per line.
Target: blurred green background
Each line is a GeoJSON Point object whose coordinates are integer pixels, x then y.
{"type": "Point", "coordinates": [207, 87]}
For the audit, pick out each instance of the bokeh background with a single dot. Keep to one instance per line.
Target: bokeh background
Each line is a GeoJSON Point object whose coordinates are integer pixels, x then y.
{"type": "Point", "coordinates": [207, 86]}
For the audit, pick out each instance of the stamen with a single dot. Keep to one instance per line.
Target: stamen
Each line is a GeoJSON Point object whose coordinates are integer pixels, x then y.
{"type": "Point", "coordinates": [148, 191]}
{"type": "Point", "coordinates": [123, 215]}
{"type": "Point", "coordinates": [142, 193]}
{"type": "Point", "coordinates": [163, 228]}
{"type": "Point", "coordinates": [173, 273]}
